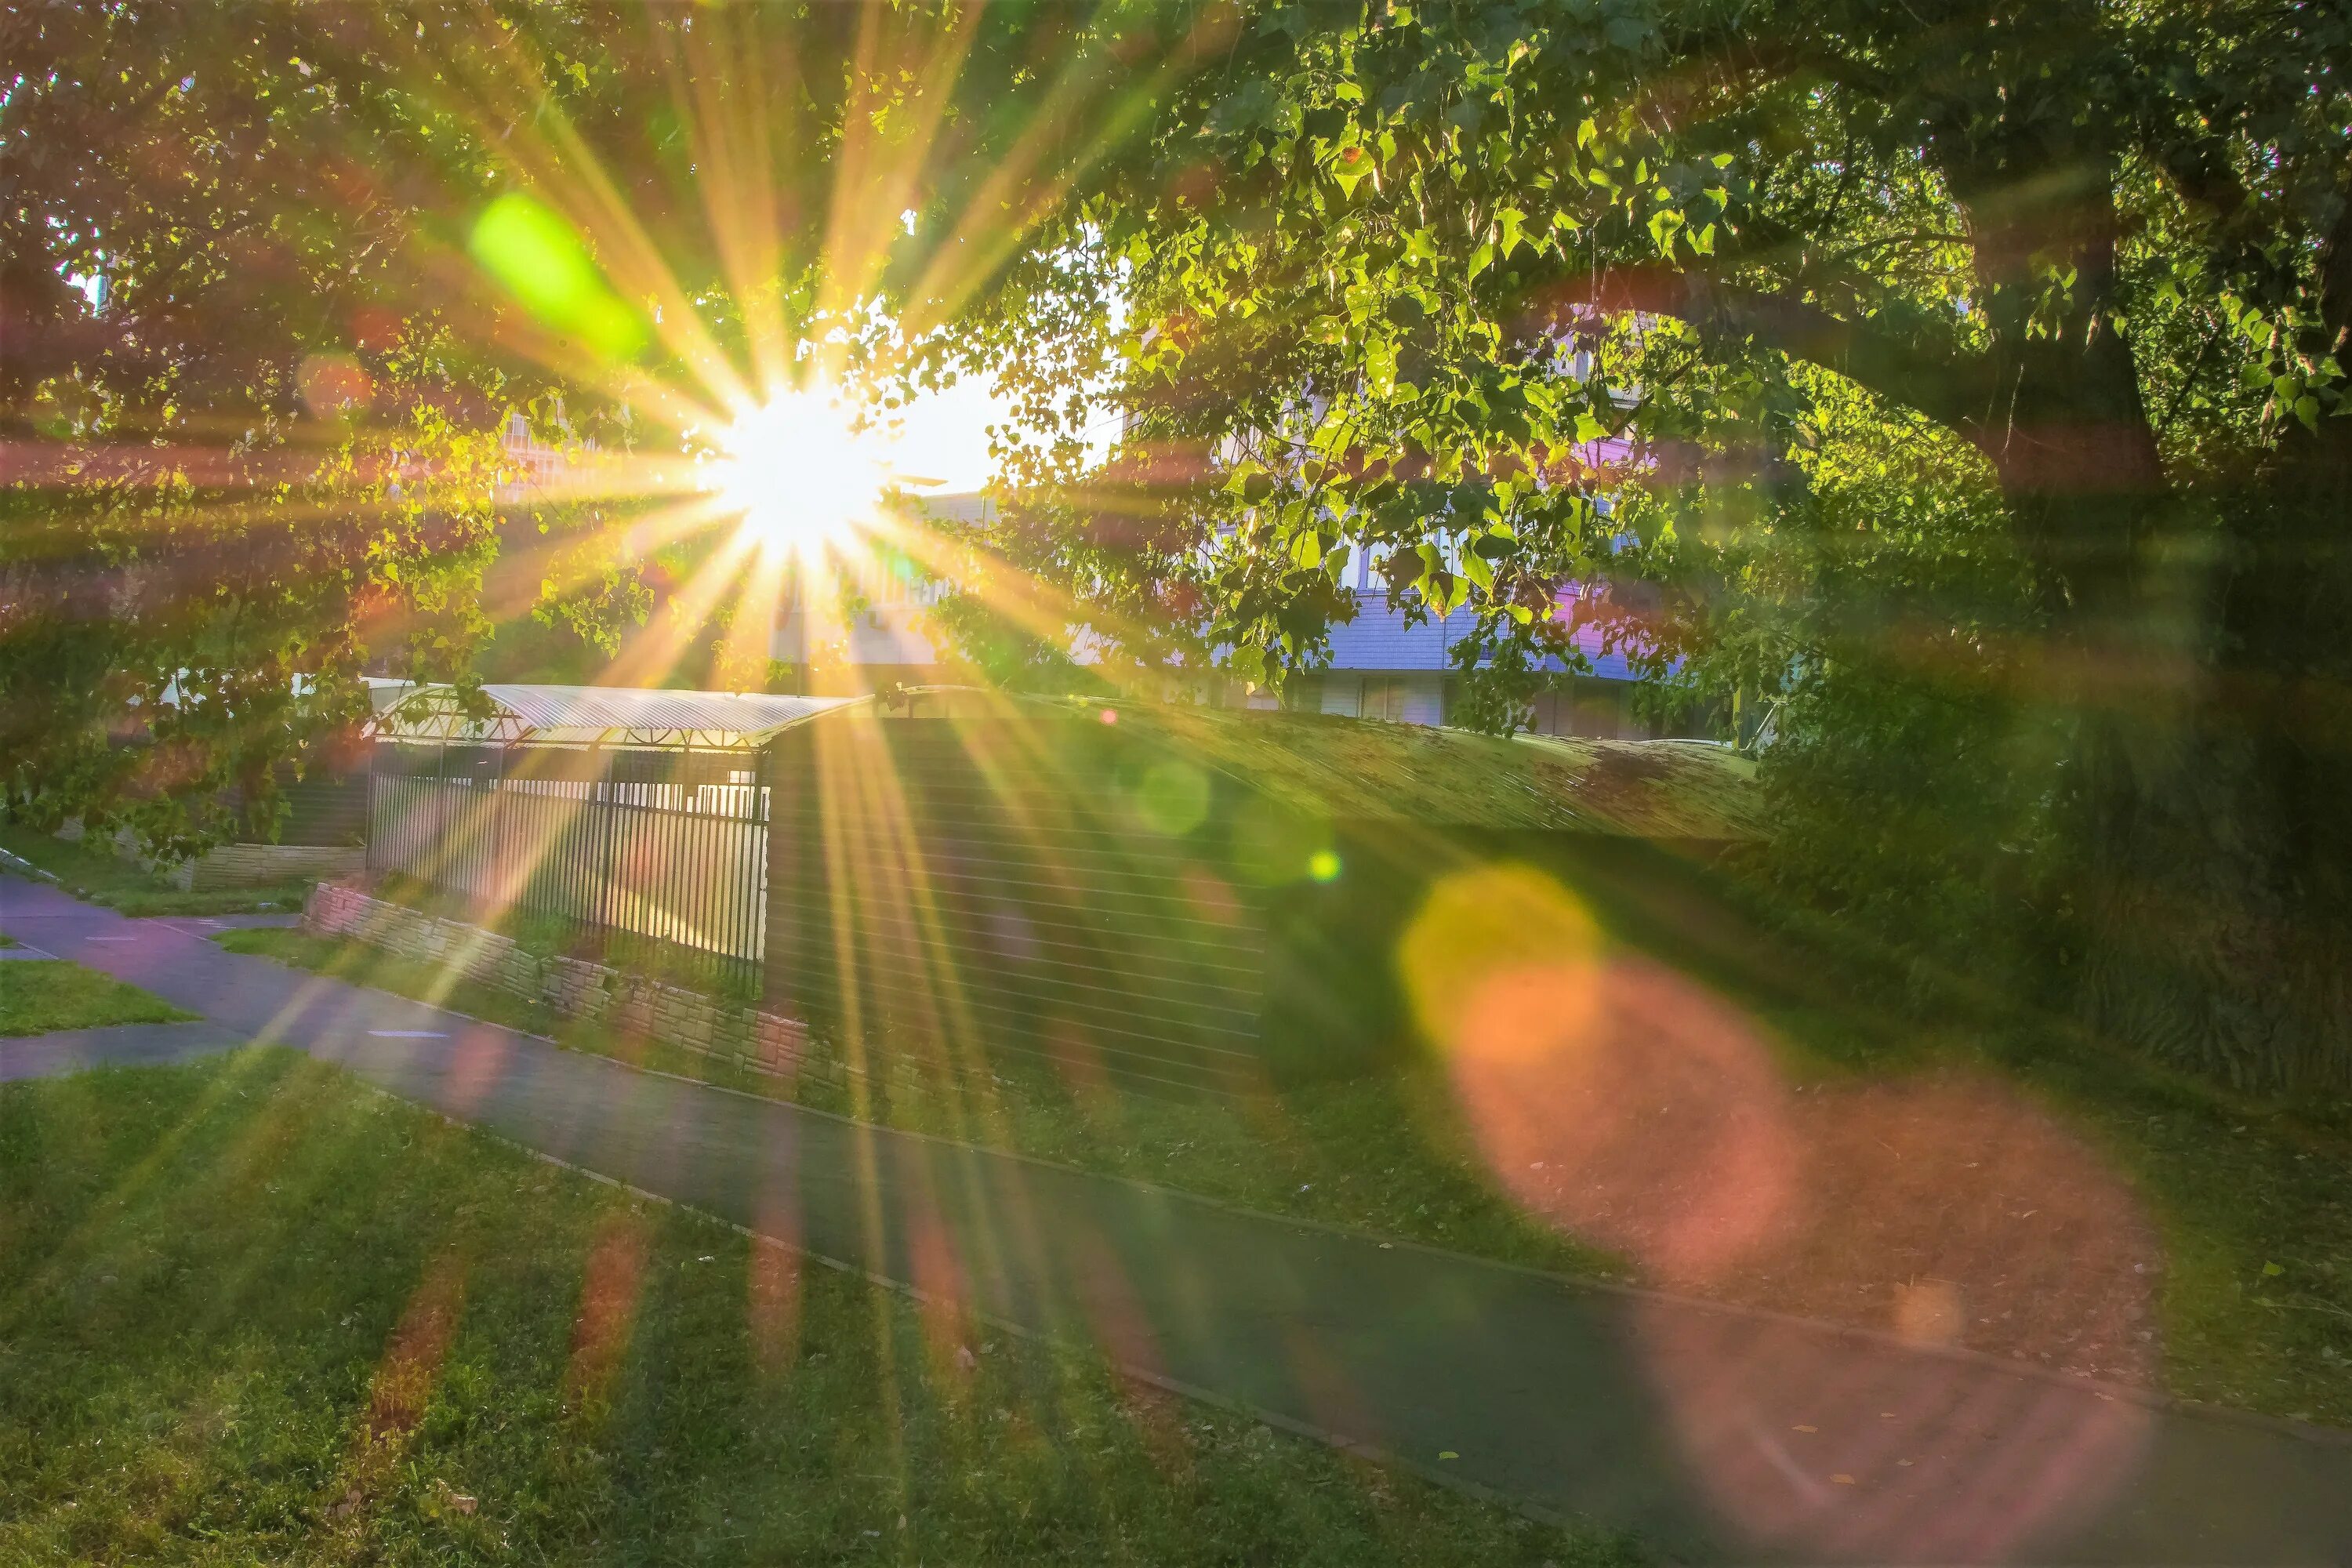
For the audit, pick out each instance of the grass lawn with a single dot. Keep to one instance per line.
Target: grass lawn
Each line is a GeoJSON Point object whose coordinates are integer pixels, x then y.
{"type": "Point", "coordinates": [2249, 1205]}
{"type": "Point", "coordinates": [96, 873]}
{"type": "Point", "coordinates": [1422, 1181]}
{"type": "Point", "coordinates": [250, 1311]}
{"type": "Point", "coordinates": [39, 994]}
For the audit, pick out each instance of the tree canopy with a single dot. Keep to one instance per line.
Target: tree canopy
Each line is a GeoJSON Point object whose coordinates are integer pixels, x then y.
{"type": "Point", "coordinates": [1972, 371]}
{"type": "Point", "coordinates": [1954, 392]}
{"type": "Point", "coordinates": [276, 278]}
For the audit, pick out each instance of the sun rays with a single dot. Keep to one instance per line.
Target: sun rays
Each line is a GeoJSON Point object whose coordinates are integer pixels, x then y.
{"type": "Point", "coordinates": [803, 471]}
{"type": "Point", "coordinates": [739, 426]}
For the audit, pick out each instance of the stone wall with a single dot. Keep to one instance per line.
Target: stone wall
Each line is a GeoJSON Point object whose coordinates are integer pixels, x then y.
{"type": "Point", "coordinates": [237, 865]}
{"type": "Point", "coordinates": [634, 1005]}
{"type": "Point", "coordinates": [258, 865]}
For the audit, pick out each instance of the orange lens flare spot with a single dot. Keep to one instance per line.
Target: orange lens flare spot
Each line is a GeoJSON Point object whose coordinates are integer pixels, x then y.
{"type": "Point", "coordinates": [1481, 924]}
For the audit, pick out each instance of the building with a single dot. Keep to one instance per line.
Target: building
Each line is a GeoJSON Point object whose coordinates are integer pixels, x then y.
{"type": "Point", "coordinates": [881, 642]}
{"type": "Point", "coordinates": [1383, 666]}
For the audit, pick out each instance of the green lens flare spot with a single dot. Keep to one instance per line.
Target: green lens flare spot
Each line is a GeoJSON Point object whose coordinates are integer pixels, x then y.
{"type": "Point", "coordinates": [535, 255]}
{"type": "Point", "coordinates": [1173, 798]}
{"type": "Point", "coordinates": [1324, 866]}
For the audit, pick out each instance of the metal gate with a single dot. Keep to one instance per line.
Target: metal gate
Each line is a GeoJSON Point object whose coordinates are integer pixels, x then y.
{"type": "Point", "coordinates": [666, 848]}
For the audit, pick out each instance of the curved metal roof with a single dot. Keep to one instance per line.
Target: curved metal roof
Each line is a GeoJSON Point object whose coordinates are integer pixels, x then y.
{"type": "Point", "coordinates": [599, 716]}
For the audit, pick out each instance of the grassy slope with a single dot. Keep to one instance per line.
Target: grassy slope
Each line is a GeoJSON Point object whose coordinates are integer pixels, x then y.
{"type": "Point", "coordinates": [251, 1311]}
{"type": "Point", "coordinates": [2251, 1197]}
{"type": "Point", "coordinates": [2253, 1202]}
{"type": "Point", "coordinates": [37, 995]}
{"type": "Point", "coordinates": [1307, 1160]}
{"type": "Point", "coordinates": [96, 873]}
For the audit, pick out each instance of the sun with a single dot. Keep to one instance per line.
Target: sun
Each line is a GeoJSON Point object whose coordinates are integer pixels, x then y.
{"type": "Point", "coordinates": [803, 469]}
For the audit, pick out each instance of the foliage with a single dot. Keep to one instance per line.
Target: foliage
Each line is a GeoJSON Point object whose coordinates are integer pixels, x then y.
{"type": "Point", "coordinates": [1585, 318]}
{"type": "Point", "coordinates": [254, 471]}
{"type": "Point", "coordinates": [275, 285]}
{"type": "Point", "coordinates": [1436, 282]}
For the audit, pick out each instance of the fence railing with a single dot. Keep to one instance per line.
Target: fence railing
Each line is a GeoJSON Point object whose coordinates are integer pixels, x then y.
{"type": "Point", "coordinates": [660, 849]}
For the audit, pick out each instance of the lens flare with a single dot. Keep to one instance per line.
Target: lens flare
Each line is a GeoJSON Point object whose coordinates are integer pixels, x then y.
{"type": "Point", "coordinates": [803, 470]}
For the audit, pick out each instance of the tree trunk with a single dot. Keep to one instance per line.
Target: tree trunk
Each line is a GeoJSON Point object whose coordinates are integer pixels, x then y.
{"type": "Point", "coordinates": [2205, 903]}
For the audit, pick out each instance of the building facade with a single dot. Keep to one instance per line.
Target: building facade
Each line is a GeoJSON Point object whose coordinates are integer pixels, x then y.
{"type": "Point", "coordinates": [1383, 666]}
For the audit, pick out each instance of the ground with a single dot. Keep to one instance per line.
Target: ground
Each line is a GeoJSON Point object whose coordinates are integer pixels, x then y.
{"type": "Point", "coordinates": [250, 1310]}
{"type": "Point", "coordinates": [39, 995]}
{"type": "Point", "coordinates": [1423, 1184]}
{"type": "Point", "coordinates": [96, 873]}
{"type": "Point", "coordinates": [2227, 1261]}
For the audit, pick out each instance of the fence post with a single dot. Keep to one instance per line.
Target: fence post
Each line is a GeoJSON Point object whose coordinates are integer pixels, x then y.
{"type": "Point", "coordinates": [608, 792]}
{"type": "Point", "coordinates": [367, 793]}
{"type": "Point", "coordinates": [757, 885]}
{"type": "Point", "coordinates": [502, 896]}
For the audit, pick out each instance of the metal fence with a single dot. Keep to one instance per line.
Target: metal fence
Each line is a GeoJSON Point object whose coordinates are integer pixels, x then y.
{"type": "Point", "coordinates": [661, 851]}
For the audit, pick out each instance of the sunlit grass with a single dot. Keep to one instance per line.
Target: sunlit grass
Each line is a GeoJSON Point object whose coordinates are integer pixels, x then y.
{"type": "Point", "coordinates": [250, 1311]}
{"type": "Point", "coordinates": [94, 871]}
{"type": "Point", "coordinates": [1376, 1154]}
{"type": "Point", "coordinates": [2253, 1202]}
{"type": "Point", "coordinates": [39, 996]}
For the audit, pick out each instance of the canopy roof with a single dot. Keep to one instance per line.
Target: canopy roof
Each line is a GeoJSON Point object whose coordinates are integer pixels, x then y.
{"type": "Point", "coordinates": [597, 716]}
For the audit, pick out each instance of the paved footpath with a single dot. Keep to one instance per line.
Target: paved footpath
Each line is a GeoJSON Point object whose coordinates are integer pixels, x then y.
{"type": "Point", "coordinates": [1715, 1433]}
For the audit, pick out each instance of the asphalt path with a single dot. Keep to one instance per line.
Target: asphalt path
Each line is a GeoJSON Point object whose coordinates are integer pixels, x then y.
{"type": "Point", "coordinates": [1714, 1433]}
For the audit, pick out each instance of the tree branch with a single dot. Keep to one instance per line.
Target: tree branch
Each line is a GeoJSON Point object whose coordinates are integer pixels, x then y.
{"type": "Point", "coordinates": [1942, 387]}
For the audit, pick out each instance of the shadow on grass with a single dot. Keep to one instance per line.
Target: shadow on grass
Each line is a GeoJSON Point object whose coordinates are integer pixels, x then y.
{"type": "Point", "coordinates": [250, 1310]}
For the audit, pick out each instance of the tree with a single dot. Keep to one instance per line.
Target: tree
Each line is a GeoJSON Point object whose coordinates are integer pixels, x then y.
{"type": "Point", "coordinates": [242, 458]}
{"type": "Point", "coordinates": [1512, 295]}
{"type": "Point", "coordinates": [1390, 275]}
{"type": "Point", "coordinates": [272, 281]}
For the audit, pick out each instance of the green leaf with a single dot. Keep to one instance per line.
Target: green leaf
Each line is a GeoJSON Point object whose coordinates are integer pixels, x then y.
{"type": "Point", "coordinates": [1507, 224]}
